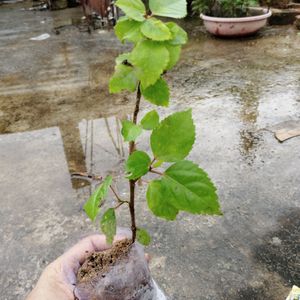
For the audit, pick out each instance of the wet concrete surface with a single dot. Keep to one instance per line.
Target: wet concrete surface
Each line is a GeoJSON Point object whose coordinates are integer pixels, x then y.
{"type": "Point", "coordinates": [57, 117]}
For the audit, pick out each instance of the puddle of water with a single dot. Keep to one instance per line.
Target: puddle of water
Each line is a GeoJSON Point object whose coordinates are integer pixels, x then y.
{"type": "Point", "coordinates": [235, 87]}
{"type": "Point", "coordinates": [70, 84]}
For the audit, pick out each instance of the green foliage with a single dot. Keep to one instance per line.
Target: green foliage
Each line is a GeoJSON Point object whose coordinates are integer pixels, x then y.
{"type": "Point", "coordinates": [123, 58]}
{"type": "Point", "coordinates": [148, 71]}
{"type": "Point", "coordinates": [158, 163]}
{"type": "Point", "coordinates": [179, 36]}
{"type": "Point", "coordinates": [150, 120]}
{"type": "Point", "coordinates": [158, 93]}
{"type": "Point", "coordinates": [174, 54]}
{"type": "Point", "coordinates": [128, 30]}
{"type": "Point", "coordinates": [134, 9]}
{"type": "Point", "coordinates": [156, 30]}
{"type": "Point", "coordinates": [183, 186]}
{"type": "Point", "coordinates": [137, 165]}
{"type": "Point", "coordinates": [130, 131]}
{"type": "Point", "coordinates": [91, 207]}
{"type": "Point", "coordinates": [108, 225]}
{"type": "Point", "coordinates": [192, 190]}
{"type": "Point", "coordinates": [223, 8]}
{"type": "Point", "coordinates": [173, 138]}
{"type": "Point", "coordinates": [168, 8]}
{"type": "Point", "coordinates": [143, 237]}
{"type": "Point", "coordinates": [123, 79]}
{"type": "Point", "coordinates": [158, 196]}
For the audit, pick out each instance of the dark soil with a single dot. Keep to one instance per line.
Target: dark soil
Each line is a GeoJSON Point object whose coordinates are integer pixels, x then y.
{"type": "Point", "coordinates": [120, 273]}
{"type": "Point", "coordinates": [98, 263]}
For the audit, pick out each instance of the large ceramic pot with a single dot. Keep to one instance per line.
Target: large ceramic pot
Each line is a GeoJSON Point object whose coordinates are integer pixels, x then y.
{"type": "Point", "coordinates": [234, 27]}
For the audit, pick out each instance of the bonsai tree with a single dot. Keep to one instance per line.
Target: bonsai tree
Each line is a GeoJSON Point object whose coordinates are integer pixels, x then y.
{"type": "Point", "coordinates": [223, 8]}
{"type": "Point", "coordinates": [181, 185]}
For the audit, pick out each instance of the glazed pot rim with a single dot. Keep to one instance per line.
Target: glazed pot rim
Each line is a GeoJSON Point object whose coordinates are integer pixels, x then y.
{"type": "Point", "coordinates": [266, 14]}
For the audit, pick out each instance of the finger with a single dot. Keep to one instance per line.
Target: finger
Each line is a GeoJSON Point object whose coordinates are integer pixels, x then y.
{"type": "Point", "coordinates": [85, 247]}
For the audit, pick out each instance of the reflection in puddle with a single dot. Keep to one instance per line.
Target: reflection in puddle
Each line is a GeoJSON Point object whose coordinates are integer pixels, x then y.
{"type": "Point", "coordinates": [101, 146]}
{"type": "Point", "coordinates": [249, 138]}
{"type": "Point", "coordinates": [91, 143]}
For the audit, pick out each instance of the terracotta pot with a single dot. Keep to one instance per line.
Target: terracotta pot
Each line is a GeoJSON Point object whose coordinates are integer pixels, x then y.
{"type": "Point", "coordinates": [235, 27]}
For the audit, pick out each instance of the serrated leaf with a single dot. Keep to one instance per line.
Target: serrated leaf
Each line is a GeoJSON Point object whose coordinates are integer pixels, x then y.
{"type": "Point", "coordinates": [179, 36]}
{"type": "Point", "coordinates": [173, 138]}
{"type": "Point", "coordinates": [156, 30]}
{"type": "Point", "coordinates": [127, 29]}
{"type": "Point", "coordinates": [174, 55]}
{"type": "Point", "coordinates": [137, 165]}
{"type": "Point", "coordinates": [158, 197]}
{"type": "Point", "coordinates": [124, 78]}
{"type": "Point", "coordinates": [108, 225]}
{"type": "Point", "coordinates": [150, 120]}
{"type": "Point", "coordinates": [143, 237]}
{"type": "Point", "coordinates": [169, 8]}
{"type": "Point", "coordinates": [130, 131]}
{"type": "Point", "coordinates": [191, 189]}
{"type": "Point", "coordinates": [150, 60]}
{"type": "Point", "coordinates": [157, 93]}
{"type": "Point", "coordinates": [91, 207]}
{"type": "Point", "coordinates": [134, 9]}
{"type": "Point", "coordinates": [124, 57]}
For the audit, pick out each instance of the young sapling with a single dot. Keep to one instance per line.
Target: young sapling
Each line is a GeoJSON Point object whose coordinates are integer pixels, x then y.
{"type": "Point", "coordinates": [183, 185]}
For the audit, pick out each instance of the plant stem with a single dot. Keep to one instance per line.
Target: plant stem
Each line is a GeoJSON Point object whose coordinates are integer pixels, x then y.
{"type": "Point", "coordinates": [120, 204]}
{"type": "Point", "coordinates": [116, 195]}
{"type": "Point", "coordinates": [156, 172]}
{"type": "Point", "coordinates": [131, 150]}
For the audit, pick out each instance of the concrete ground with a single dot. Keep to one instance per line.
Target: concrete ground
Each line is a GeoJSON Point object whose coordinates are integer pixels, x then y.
{"type": "Point", "coordinates": [57, 117]}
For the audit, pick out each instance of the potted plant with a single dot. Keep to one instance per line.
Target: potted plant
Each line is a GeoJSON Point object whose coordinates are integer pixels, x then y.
{"type": "Point", "coordinates": [231, 18]}
{"type": "Point", "coordinates": [174, 184]}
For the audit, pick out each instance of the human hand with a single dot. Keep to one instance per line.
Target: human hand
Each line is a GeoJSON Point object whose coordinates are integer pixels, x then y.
{"type": "Point", "coordinates": [59, 278]}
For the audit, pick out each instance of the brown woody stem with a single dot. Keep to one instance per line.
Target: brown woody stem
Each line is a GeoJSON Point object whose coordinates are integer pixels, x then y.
{"type": "Point", "coordinates": [156, 172]}
{"type": "Point", "coordinates": [131, 150]}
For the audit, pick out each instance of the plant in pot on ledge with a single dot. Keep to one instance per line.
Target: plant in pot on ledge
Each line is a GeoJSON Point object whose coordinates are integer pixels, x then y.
{"type": "Point", "coordinates": [122, 271]}
{"type": "Point", "coordinates": [231, 18]}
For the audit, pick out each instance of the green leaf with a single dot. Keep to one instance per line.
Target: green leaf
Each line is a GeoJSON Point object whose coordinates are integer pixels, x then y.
{"type": "Point", "coordinates": [123, 58]}
{"type": "Point", "coordinates": [108, 225]}
{"type": "Point", "coordinates": [91, 207]}
{"type": "Point", "coordinates": [156, 30]}
{"type": "Point", "coordinates": [134, 9]}
{"type": "Point", "coordinates": [173, 138]}
{"type": "Point", "coordinates": [157, 93]}
{"type": "Point", "coordinates": [127, 29]}
{"type": "Point", "coordinates": [137, 165]}
{"type": "Point", "coordinates": [130, 131]}
{"type": "Point", "coordinates": [174, 54]}
{"type": "Point", "coordinates": [143, 236]}
{"type": "Point", "coordinates": [191, 189]}
{"type": "Point", "coordinates": [150, 120]}
{"type": "Point", "coordinates": [179, 36]}
{"type": "Point", "coordinates": [123, 79]}
{"type": "Point", "coordinates": [158, 163]}
{"type": "Point", "coordinates": [158, 196]}
{"type": "Point", "coordinates": [168, 8]}
{"type": "Point", "coordinates": [150, 59]}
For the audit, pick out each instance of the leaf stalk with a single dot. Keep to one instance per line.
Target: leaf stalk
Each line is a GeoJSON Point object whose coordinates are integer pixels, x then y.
{"type": "Point", "coordinates": [132, 183]}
